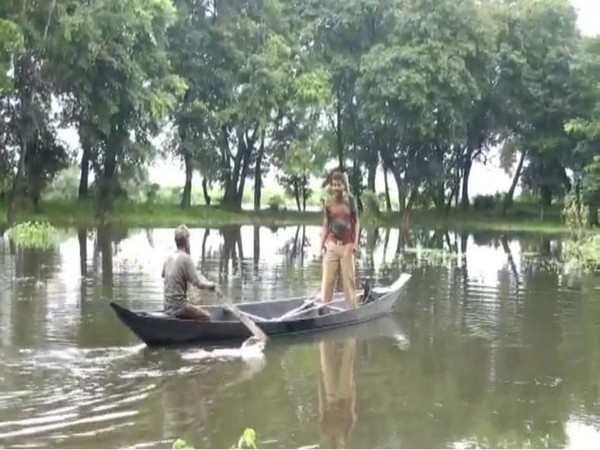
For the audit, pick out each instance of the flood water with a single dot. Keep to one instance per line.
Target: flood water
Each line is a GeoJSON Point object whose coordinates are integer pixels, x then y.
{"type": "Point", "coordinates": [490, 345]}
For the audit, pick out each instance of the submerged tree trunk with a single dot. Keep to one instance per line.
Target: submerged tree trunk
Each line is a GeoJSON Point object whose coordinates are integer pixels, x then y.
{"type": "Point", "coordinates": [508, 199]}
{"type": "Point", "coordinates": [256, 252]}
{"type": "Point", "coordinates": [104, 237]}
{"type": "Point", "coordinates": [82, 238]}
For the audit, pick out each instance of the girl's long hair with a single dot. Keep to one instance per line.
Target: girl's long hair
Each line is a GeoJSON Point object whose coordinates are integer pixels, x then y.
{"type": "Point", "coordinates": [336, 174]}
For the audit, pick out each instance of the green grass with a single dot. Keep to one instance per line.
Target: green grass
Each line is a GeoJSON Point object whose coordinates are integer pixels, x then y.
{"type": "Point", "coordinates": [70, 213]}
{"type": "Point", "coordinates": [523, 218]}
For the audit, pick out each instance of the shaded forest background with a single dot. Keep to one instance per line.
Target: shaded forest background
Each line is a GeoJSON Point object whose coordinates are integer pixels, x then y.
{"type": "Point", "coordinates": [418, 89]}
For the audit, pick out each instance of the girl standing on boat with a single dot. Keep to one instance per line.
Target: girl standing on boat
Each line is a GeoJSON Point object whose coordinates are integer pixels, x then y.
{"type": "Point", "coordinates": [339, 239]}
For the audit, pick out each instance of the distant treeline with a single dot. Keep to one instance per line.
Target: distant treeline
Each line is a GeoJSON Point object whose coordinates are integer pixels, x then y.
{"type": "Point", "coordinates": [418, 88]}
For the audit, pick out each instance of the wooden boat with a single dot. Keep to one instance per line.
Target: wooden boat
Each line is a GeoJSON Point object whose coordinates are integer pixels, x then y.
{"type": "Point", "coordinates": [276, 318]}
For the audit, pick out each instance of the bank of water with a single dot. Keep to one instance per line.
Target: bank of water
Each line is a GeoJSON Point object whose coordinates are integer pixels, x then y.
{"type": "Point", "coordinates": [491, 344]}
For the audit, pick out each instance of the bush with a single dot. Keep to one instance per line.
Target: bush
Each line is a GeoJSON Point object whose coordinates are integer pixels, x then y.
{"type": "Point", "coordinates": [372, 202]}
{"type": "Point", "coordinates": [484, 203]}
{"type": "Point", "coordinates": [276, 202]}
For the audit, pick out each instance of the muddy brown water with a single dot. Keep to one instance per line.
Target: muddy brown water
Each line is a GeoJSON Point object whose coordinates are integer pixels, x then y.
{"type": "Point", "coordinates": [491, 345]}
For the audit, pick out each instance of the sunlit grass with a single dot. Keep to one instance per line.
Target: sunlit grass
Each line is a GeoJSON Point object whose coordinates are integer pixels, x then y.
{"type": "Point", "coordinates": [73, 213]}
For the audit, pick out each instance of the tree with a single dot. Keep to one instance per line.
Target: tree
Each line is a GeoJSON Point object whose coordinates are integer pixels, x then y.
{"type": "Point", "coordinates": [585, 128]}
{"type": "Point", "coordinates": [537, 45]}
{"type": "Point", "coordinates": [111, 65]}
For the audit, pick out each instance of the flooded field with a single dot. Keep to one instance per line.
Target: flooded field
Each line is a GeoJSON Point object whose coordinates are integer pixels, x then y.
{"type": "Point", "coordinates": [491, 344]}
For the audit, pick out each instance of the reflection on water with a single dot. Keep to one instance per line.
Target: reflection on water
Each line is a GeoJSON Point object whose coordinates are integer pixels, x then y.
{"type": "Point", "coordinates": [337, 391]}
{"type": "Point", "coordinates": [491, 345]}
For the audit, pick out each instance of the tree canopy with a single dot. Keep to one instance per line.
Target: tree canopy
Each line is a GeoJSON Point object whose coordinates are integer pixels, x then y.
{"type": "Point", "coordinates": [418, 89]}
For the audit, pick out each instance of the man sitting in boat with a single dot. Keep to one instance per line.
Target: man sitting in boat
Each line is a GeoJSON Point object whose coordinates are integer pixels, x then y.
{"type": "Point", "coordinates": [178, 272]}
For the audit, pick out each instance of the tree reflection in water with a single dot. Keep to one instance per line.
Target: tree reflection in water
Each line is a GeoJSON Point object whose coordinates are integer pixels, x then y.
{"type": "Point", "coordinates": [337, 391]}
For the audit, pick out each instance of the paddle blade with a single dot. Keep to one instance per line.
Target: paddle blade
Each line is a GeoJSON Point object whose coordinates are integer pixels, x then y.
{"type": "Point", "coordinates": [255, 329]}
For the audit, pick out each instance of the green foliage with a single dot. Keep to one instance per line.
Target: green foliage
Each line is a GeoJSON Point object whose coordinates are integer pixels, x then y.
{"type": "Point", "coordinates": [247, 440]}
{"type": "Point", "coordinates": [276, 202]}
{"type": "Point", "coordinates": [180, 444]}
{"type": "Point", "coordinates": [421, 88]}
{"type": "Point", "coordinates": [12, 43]}
{"type": "Point", "coordinates": [373, 203]}
{"type": "Point", "coordinates": [33, 234]}
{"type": "Point", "coordinates": [581, 252]}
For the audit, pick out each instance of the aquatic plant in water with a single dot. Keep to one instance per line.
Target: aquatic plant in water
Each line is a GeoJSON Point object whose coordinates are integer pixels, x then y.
{"type": "Point", "coordinates": [246, 441]}
{"type": "Point", "coordinates": [582, 250]}
{"type": "Point", "coordinates": [582, 254]}
{"type": "Point", "coordinates": [180, 444]}
{"type": "Point", "coordinates": [33, 234]}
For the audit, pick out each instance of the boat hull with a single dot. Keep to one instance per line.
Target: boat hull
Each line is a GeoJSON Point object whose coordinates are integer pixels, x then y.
{"type": "Point", "coordinates": [158, 329]}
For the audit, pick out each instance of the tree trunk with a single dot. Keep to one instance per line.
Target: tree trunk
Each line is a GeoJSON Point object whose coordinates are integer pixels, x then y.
{"type": "Point", "coordinates": [16, 190]}
{"type": "Point", "coordinates": [82, 238]}
{"type": "Point", "coordinates": [545, 200]}
{"type": "Point", "coordinates": [86, 147]}
{"type": "Point", "coordinates": [24, 76]}
{"type": "Point", "coordinates": [235, 182]}
{"type": "Point", "coordinates": [297, 194]}
{"type": "Point", "coordinates": [243, 176]}
{"type": "Point", "coordinates": [372, 172]}
{"type": "Point", "coordinates": [508, 199]}
{"type": "Point", "coordinates": [338, 132]}
{"type": "Point", "coordinates": [455, 189]}
{"type": "Point", "coordinates": [205, 191]}
{"type": "Point", "coordinates": [304, 183]}
{"type": "Point", "coordinates": [388, 200]}
{"type": "Point", "coordinates": [105, 243]}
{"type": "Point", "coordinates": [231, 183]}
{"type": "Point", "coordinates": [186, 197]}
{"type": "Point", "coordinates": [464, 197]}
{"type": "Point", "coordinates": [258, 172]}
{"type": "Point", "coordinates": [108, 179]}
{"type": "Point", "coordinates": [593, 216]}
{"type": "Point", "coordinates": [256, 251]}
{"type": "Point", "coordinates": [439, 198]}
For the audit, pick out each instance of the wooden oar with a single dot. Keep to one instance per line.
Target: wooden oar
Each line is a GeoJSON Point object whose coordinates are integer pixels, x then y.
{"type": "Point", "coordinates": [255, 329]}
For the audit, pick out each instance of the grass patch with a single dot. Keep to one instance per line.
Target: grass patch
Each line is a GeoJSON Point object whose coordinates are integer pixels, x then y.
{"type": "Point", "coordinates": [523, 218]}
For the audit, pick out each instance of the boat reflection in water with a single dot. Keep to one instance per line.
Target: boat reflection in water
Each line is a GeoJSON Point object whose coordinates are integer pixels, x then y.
{"type": "Point", "coordinates": [337, 390]}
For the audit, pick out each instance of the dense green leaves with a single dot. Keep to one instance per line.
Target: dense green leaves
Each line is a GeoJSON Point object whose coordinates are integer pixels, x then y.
{"type": "Point", "coordinates": [420, 89]}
